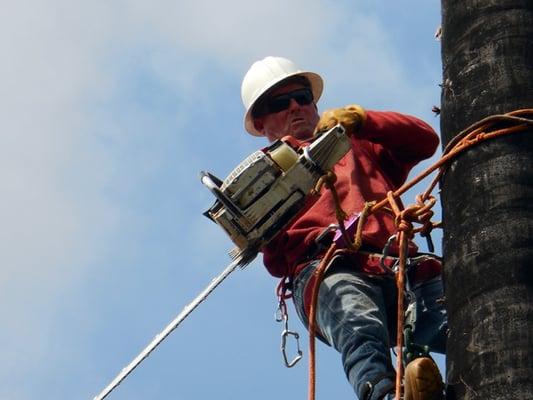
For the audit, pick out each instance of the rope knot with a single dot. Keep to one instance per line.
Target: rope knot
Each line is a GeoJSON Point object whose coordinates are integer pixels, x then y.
{"type": "Point", "coordinates": [405, 226]}
{"type": "Point", "coordinates": [425, 213]}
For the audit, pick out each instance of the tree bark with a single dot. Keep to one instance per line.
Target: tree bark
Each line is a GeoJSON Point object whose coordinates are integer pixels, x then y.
{"type": "Point", "coordinates": [487, 200]}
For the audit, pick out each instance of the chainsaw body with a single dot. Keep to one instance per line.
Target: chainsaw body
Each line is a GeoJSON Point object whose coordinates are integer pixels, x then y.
{"type": "Point", "coordinates": [267, 190]}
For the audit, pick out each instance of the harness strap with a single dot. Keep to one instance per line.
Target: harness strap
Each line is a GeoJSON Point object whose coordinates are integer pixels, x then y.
{"type": "Point", "coordinates": [422, 268]}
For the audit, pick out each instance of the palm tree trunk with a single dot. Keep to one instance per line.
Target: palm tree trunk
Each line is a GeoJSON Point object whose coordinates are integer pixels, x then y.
{"type": "Point", "coordinates": [487, 199]}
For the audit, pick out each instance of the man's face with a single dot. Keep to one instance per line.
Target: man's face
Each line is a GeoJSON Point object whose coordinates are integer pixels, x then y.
{"type": "Point", "coordinates": [297, 120]}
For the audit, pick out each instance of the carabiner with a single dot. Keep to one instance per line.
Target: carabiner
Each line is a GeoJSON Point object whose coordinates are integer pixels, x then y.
{"type": "Point", "coordinates": [284, 334]}
{"type": "Point", "coordinates": [386, 251]}
{"type": "Point", "coordinates": [281, 311]}
{"type": "Point", "coordinates": [283, 316]}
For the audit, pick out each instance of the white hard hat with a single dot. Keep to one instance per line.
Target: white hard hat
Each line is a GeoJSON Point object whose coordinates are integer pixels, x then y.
{"type": "Point", "coordinates": [265, 74]}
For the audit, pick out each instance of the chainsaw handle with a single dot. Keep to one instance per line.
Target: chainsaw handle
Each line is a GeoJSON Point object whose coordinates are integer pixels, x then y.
{"type": "Point", "coordinates": [220, 195]}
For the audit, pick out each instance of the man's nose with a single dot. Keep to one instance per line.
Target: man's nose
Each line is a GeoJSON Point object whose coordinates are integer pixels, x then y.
{"type": "Point", "coordinates": [293, 105]}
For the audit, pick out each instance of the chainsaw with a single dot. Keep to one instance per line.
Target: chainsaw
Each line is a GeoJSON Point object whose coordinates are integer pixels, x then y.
{"type": "Point", "coordinates": [264, 193]}
{"type": "Point", "coordinates": [259, 198]}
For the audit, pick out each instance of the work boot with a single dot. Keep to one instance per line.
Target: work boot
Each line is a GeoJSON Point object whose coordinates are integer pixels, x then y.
{"type": "Point", "coordinates": [423, 380]}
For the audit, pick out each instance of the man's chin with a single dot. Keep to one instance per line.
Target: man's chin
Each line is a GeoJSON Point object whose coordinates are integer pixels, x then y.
{"type": "Point", "coordinates": [302, 132]}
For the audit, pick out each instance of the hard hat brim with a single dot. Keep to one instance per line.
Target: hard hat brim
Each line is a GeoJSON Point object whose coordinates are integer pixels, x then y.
{"type": "Point", "coordinates": [317, 86]}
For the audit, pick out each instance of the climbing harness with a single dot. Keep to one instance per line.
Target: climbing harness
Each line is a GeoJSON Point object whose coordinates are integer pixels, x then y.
{"type": "Point", "coordinates": [419, 213]}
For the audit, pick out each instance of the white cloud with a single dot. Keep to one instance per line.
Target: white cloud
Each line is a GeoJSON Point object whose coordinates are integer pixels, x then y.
{"type": "Point", "coordinates": [352, 48]}
{"type": "Point", "coordinates": [48, 73]}
{"type": "Point", "coordinates": [55, 218]}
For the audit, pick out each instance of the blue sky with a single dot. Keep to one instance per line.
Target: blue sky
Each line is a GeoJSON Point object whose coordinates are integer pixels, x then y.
{"type": "Point", "coordinates": [109, 111]}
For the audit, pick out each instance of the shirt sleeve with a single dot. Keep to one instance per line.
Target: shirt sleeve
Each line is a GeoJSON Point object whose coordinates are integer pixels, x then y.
{"type": "Point", "coordinates": [399, 141]}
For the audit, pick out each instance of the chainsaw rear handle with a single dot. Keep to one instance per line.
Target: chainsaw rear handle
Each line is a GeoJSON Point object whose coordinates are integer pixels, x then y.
{"type": "Point", "coordinates": [208, 182]}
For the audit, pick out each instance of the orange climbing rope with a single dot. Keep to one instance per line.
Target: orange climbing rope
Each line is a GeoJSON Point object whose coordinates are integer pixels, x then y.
{"type": "Point", "coordinates": [319, 274]}
{"type": "Point", "coordinates": [420, 213]}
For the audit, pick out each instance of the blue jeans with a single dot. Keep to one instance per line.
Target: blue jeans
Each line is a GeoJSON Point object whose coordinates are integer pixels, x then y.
{"type": "Point", "coordinates": [356, 314]}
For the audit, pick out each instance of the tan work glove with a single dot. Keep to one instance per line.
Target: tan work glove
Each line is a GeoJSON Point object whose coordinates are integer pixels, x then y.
{"type": "Point", "coordinates": [351, 117]}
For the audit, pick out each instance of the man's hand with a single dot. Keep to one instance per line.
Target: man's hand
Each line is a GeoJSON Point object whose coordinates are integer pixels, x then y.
{"type": "Point", "coordinates": [351, 117]}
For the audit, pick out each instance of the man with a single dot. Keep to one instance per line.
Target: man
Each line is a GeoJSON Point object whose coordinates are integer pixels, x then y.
{"type": "Point", "coordinates": [356, 311]}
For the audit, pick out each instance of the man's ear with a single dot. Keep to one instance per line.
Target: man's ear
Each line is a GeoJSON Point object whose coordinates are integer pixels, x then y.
{"type": "Point", "coordinates": [258, 125]}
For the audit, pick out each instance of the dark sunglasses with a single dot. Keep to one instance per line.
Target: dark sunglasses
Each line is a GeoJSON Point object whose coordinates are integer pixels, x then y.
{"type": "Point", "coordinates": [281, 102]}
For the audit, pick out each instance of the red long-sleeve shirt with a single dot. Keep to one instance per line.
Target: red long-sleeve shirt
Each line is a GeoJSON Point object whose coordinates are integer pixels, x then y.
{"type": "Point", "coordinates": [383, 152]}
